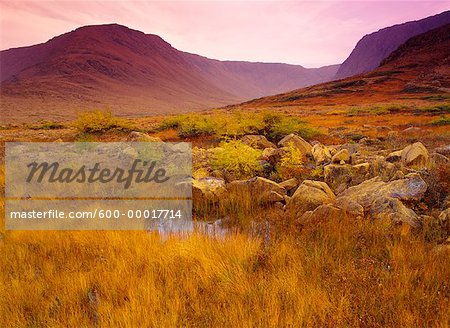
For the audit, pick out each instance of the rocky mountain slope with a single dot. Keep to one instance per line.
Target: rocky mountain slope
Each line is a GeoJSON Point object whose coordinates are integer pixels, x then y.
{"type": "Point", "coordinates": [134, 74]}
{"type": "Point", "coordinates": [373, 48]}
{"type": "Point", "coordinates": [420, 66]}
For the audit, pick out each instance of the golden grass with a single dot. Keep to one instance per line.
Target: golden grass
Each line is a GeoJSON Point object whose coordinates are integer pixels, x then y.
{"type": "Point", "coordinates": [337, 273]}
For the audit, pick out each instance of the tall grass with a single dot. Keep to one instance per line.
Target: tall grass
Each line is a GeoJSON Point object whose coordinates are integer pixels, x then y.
{"type": "Point", "coordinates": [336, 273]}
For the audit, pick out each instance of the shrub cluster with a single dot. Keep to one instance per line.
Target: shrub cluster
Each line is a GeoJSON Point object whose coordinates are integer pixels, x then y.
{"type": "Point", "coordinates": [237, 158]}
{"type": "Point", "coordinates": [272, 125]}
{"type": "Point", "coordinates": [98, 121]}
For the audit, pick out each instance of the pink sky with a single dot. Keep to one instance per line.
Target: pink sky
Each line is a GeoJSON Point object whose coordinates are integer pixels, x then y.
{"type": "Point", "coordinates": [299, 32]}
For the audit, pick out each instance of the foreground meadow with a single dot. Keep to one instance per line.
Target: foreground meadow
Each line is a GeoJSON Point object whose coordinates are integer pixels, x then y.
{"type": "Point", "coordinates": [338, 273]}
{"type": "Point", "coordinates": [266, 270]}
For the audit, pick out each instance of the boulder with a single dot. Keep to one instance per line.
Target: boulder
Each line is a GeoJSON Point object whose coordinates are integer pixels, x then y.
{"type": "Point", "coordinates": [261, 190]}
{"type": "Point", "coordinates": [341, 156]}
{"type": "Point", "coordinates": [444, 150]}
{"type": "Point", "coordinates": [321, 153]}
{"type": "Point", "coordinates": [350, 207]}
{"type": "Point", "coordinates": [395, 156]}
{"type": "Point", "coordinates": [290, 184]}
{"type": "Point", "coordinates": [257, 141]}
{"type": "Point", "coordinates": [444, 220]}
{"type": "Point", "coordinates": [300, 143]}
{"type": "Point", "coordinates": [439, 159]}
{"type": "Point", "coordinates": [411, 188]}
{"type": "Point", "coordinates": [340, 177]}
{"type": "Point", "coordinates": [308, 196]}
{"type": "Point", "coordinates": [208, 189]}
{"type": "Point", "coordinates": [392, 210]}
{"type": "Point", "coordinates": [321, 213]}
{"type": "Point", "coordinates": [416, 155]}
{"type": "Point", "coordinates": [383, 169]}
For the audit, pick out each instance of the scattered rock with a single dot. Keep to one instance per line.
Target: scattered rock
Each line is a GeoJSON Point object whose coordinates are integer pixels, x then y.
{"type": "Point", "coordinates": [350, 207]}
{"type": "Point", "coordinates": [341, 156]}
{"type": "Point", "coordinates": [340, 177]}
{"type": "Point", "coordinates": [444, 220]}
{"type": "Point", "coordinates": [300, 143]}
{"type": "Point", "coordinates": [257, 141]}
{"type": "Point", "coordinates": [444, 150]}
{"type": "Point", "coordinates": [395, 156]}
{"type": "Point", "coordinates": [321, 154]}
{"type": "Point", "coordinates": [208, 189]}
{"type": "Point", "coordinates": [290, 184]}
{"type": "Point", "coordinates": [397, 175]}
{"type": "Point", "coordinates": [321, 213]}
{"type": "Point", "coordinates": [393, 210]}
{"type": "Point", "coordinates": [416, 155]}
{"type": "Point", "coordinates": [262, 190]}
{"type": "Point", "coordinates": [308, 196]}
{"type": "Point", "coordinates": [411, 131]}
{"type": "Point", "coordinates": [411, 188]}
{"type": "Point", "coordinates": [439, 159]}
{"type": "Point", "coordinates": [385, 170]}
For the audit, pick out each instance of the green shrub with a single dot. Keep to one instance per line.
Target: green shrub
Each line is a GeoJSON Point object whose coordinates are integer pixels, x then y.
{"type": "Point", "coordinates": [434, 110]}
{"type": "Point", "coordinates": [273, 125]}
{"type": "Point", "coordinates": [441, 121]}
{"type": "Point", "coordinates": [45, 125]}
{"type": "Point", "coordinates": [236, 158]}
{"type": "Point", "coordinates": [291, 162]}
{"type": "Point", "coordinates": [98, 121]}
{"type": "Point", "coordinates": [288, 125]}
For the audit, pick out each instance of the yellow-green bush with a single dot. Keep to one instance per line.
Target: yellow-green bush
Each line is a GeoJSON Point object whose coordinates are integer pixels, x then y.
{"type": "Point", "coordinates": [236, 158]}
{"type": "Point", "coordinates": [237, 123]}
{"type": "Point", "coordinates": [99, 121]}
{"type": "Point", "coordinates": [291, 162]}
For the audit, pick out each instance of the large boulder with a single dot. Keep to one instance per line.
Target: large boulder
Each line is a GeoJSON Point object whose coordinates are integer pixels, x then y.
{"type": "Point", "coordinates": [416, 155]}
{"type": "Point", "coordinates": [208, 189]}
{"type": "Point", "coordinates": [257, 141]}
{"type": "Point", "coordinates": [321, 154]}
{"type": "Point", "coordinates": [392, 210]}
{"type": "Point", "coordinates": [260, 190]}
{"type": "Point", "coordinates": [340, 177]}
{"type": "Point", "coordinates": [308, 196]}
{"type": "Point", "coordinates": [411, 188]}
{"type": "Point", "coordinates": [298, 142]}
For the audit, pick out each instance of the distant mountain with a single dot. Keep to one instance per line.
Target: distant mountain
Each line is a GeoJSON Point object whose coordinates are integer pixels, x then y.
{"type": "Point", "coordinates": [373, 48]}
{"type": "Point", "coordinates": [418, 68]}
{"type": "Point", "coordinates": [134, 74]}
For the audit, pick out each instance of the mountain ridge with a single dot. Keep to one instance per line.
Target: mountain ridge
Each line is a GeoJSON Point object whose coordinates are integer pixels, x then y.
{"type": "Point", "coordinates": [371, 49]}
{"type": "Point", "coordinates": [135, 74]}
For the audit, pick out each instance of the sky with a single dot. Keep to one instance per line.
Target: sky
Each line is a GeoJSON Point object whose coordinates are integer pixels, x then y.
{"type": "Point", "coordinates": [307, 33]}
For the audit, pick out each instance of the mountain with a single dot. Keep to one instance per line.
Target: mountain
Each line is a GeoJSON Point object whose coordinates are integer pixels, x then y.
{"type": "Point", "coordinates": [418, 68]}
{"type": "Point", "coordinates": [373, 48]}
{"type": "Point", "coordinates": [133, 74]}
